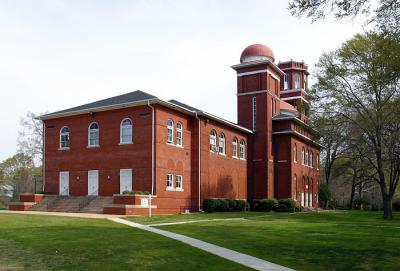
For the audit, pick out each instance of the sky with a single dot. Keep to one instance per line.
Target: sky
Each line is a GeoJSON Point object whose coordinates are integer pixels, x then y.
{"type": "Point", "coordinates": [56, 54]}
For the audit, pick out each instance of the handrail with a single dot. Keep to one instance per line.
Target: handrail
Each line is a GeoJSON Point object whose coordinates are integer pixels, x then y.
{"type": "Point", "coordinates": [64, 193]}
{"type": "Point", "coordinates": [88, 200]}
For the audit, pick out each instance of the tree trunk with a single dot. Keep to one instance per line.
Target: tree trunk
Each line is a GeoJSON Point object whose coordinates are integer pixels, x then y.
{"type": "Point", "coordinates": [387, 206]}
{"type": "Point", "coordinates": [353, 191]}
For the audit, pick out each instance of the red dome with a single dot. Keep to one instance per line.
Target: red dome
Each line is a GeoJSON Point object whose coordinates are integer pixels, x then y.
{"type": "Point", "coordinates": [257, 52]}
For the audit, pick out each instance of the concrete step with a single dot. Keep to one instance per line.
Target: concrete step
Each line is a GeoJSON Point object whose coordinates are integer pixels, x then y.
{"type": "Point", "coordinates": [97, 204]}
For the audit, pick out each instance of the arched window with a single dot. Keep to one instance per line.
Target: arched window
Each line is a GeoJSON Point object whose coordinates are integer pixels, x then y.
{"type": "Point", "coordinates": [213, 141]}
{"type": "Point", "coordinates": [235, 147]}
{"type": "Point", "coordinates": [222, 143]}
{"type": "Point", "coordinates": [306, 160]}
{"type": "Point", "coordinates": [295, 152]}
{"type": "Point", "coordinates": [303, 158]}
{"type": "Point", "coordinates": [317, 162]}
{"type": "Point", "coordinates": [64, 137]}
{"type": "Point", "coordinates": [179, 134]}
{"type": "Point", "coordinates": [242, 150]}
{"type": "Point", "coordinates": [295, 187]}
{"type": "Point", "coordinates": [311, 159]}
{"type": "Point", "coordinates": [93, 135]}
{"type": "Point", "coordinates": [170, 131]}
{"type": "Point", "coordinates": [126, 131]}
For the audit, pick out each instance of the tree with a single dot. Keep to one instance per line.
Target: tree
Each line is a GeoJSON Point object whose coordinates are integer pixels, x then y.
{"type": "Point", "coordinates": [359, 83]}
{"type": "Point", "coordinates": [324, 195]}
{"type": "Point", "coordinates": [30, 138]}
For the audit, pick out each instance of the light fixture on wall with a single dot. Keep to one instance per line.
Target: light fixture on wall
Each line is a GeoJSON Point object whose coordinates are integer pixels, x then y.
{"type": "Point", "coordinates": [109, 177]}
{"type": "Point", "coordinates": [78, 178]}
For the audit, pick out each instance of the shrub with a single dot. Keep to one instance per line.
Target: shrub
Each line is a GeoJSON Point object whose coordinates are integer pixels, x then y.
{"type": "Point", "coordinates": [266, 205]}
{"type": "Point", "coordinates": [324, 195]}
{"type": "Point", "coordinates": [286, 205]}
{"type": "Point", "coordinates": [223, 205]}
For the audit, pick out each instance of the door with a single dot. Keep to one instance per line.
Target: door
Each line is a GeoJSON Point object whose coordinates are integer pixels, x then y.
{"type": "Point", "coordinates": [93, 182]}
{"type": "Point", "coordinates": [307, 199]}
{"type": "Point", "coordinates": [125, 180]}
{"type": "Point", "coordinates": [64, 183]}
{"type": "Point", "coordinates": [311, 199]}
{"type": "Point", "coordinates": [302, 199]}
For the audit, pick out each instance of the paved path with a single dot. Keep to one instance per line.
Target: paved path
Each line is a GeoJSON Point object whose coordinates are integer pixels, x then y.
{"type": "Point", "coordinates": [228, 254]}
{"type": "Point", "coordinates": [80, 215]}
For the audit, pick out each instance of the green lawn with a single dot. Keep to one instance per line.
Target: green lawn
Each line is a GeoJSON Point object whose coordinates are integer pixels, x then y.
{"type": "Point", "coordinates": [33, 242]}
{"type": "Point", "coordinates": [305, 241]}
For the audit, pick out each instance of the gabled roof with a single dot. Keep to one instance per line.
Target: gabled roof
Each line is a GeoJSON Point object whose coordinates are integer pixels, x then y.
{"type": "Point", "coordinates": [137, 98]}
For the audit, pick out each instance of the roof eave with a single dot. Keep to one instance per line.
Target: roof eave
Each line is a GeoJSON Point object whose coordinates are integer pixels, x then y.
{"type": "Point", "coordinates": [258, 62]}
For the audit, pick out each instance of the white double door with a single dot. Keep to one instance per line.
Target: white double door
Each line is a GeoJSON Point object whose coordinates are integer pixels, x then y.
{"type": "Point", "coordinates": [93, 182]}
{"type": "Point", "coordinates": [64, 183]}
{"type": "Point", "coordinates": [125, 180]}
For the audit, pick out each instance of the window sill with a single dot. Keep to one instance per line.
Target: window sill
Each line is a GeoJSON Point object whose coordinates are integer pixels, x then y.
{"type": "Point", "coordinates": [222, 154]}
{"type": "Point", "coordinates": [235, 157]}
{"type": "Point", "coordinates": [64, 149]}
{"type": "Point", "coordinates": [91, 147]}
{"type": "Point", "coordinates": [171, 189]}
{"type": "Point", "coordinates": [127, 143]}
{"type": "Point", "coordinates": [173, 145]}
{"type": "Point", "coordinates": [243, 159]}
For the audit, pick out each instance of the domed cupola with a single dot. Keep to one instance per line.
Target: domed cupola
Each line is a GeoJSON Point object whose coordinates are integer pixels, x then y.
{"type": "Point", "coordinates": [257, 52]}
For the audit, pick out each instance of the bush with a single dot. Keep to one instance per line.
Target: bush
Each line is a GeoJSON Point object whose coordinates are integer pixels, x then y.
{"type": "Point", "coordinates": [223, 205]}
{"type": "Point", "coordinates": [286, 205]}
{"type": "Point", "coordinates": [266, 205]}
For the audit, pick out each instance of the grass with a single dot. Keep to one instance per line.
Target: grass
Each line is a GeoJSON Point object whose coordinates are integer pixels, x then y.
{"type": "Point", "coordinates": [190, 217]}
{"type": "Point", "coordinates": [305, 241]}
{"type": "Point", "coordinates": [33, 242]}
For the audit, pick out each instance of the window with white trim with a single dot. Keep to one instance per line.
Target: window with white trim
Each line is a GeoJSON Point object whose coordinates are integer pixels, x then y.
{"type": "Point", "coordinates": [242, 150]}
{"type": "Point", "coordinates": [306, 160]}
{"type": "Point", "coordinates": [93, 135]}
{"type": "Point", "coordinates": [126, 131]}
{"type": "Point", "coordinates": [303, 156]}
{"type": "Point", "coordinates": [254, 104]}
{"type": "Point", "coordinates": [286, 81]}
{"type": "Point", "coordinates": [235, 147]}
{"type": "Point", "coordinates": [213, 141]}
{"type": "Point", "coordinates": [170, 131]}
{"type": "Point", "coordinates": [297, 80]}
{"type": "Point", "coordinates": [179, 134]}
{"type": "Point", "coordinates": [311, 159]}
{"type": "Point", "coordinates": [170, 181]}
{"type": "Point", "coordinates": [179, 182]}
{"type": "Point", "coordinates": [222, 144]}
{"type": "Point", "coordinates": [317, 162]}
{"type": "Point", "coordinates": [295, 152]}
{"type": "Point", "coordinates": [64, 137]}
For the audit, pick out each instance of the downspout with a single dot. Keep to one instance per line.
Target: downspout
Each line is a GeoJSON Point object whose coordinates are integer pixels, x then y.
{"type": "Point", "coordinates": [199, 147]}
{"type": "Point", "coordinates": [43, 156]}
{"type": "Point", "coordinates": [152, 155]}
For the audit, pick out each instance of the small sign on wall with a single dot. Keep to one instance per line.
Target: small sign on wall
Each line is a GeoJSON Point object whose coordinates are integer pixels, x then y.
{"type": "Point", "coordinates": [144, 202]}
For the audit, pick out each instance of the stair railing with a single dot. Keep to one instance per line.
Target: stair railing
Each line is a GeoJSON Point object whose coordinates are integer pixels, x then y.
{"type": "Point", "coordinates": [88, 200]}
{"type": "Point", "coordinates": [64, 194]}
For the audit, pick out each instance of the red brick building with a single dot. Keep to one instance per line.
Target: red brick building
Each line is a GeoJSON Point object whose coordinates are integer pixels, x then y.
{"type": "Point", "coordinates": [182, 155]}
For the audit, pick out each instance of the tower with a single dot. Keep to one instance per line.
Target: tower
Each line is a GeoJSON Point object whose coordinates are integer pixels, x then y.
{"type": "Point", "coordinates": [258, 100]}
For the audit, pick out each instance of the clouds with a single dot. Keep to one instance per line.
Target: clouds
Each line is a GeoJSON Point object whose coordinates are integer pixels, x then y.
{"type": "Point", "coordinates": [57, 54]}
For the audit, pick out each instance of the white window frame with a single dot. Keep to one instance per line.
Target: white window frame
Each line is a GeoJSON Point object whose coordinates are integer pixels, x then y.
{"type": "Point", "coordinates": [179, 180]}
{"type": "Point", "coordinates": [213, 141]}
{"type": "Point", "coordinates": [64, 134]}
{"type": "Point", "coordinates": [170, 181]}
{"type": "Point", "coordinates": [179, 134]}
{"type": "Point", "coordinates": [311, 157]}
{"type": "Point", "coordinates": [242, 149]}
{"type": "Point", "coordinates": [97, 132]}
{"type": "Point", "coordinates": [222, 144]}
{"type": "Point", "coordinates": [235, 147]}
{"type": "Point", "coordinates": [126, 127]}
{"type": "Point", "coordinates": [295, 152]}
{"type": "Point", "coordinates": [297, 80]}
{"type": "Point", "coordinates": [254, 108]}
{"type": "Point", "coordinates": [306, 159]}
{"type": "Point", "coordinates": [286, 81]}
{"type": "Point", "coordinates": [303, 155]}
{"type": "Point", "coordinates": [170, 131]}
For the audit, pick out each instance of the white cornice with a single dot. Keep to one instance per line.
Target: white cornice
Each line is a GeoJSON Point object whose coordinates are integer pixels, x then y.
{"type": "Point", "coordinates": [257, 72]}
{"type": "Point", "coordinates": [258, 62]}
{"type": "Point", "coordinates": [259, 92]}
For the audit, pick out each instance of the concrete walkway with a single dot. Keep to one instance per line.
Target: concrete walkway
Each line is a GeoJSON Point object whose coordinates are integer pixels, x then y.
{"type": "Point", "coordinates": [79, 215]}
{"type": "Point", "coordinates": [228, 254]}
